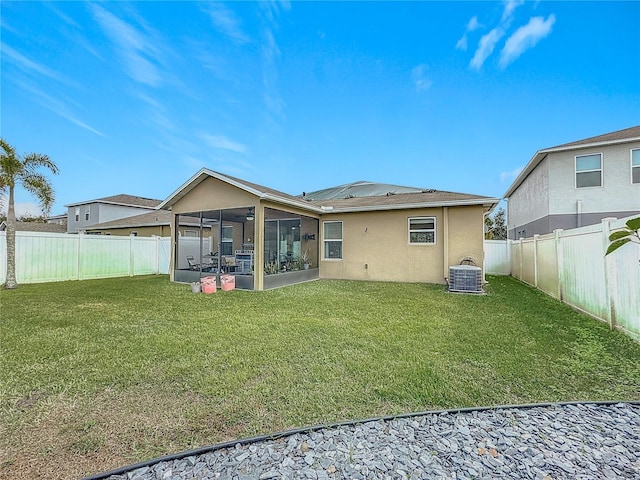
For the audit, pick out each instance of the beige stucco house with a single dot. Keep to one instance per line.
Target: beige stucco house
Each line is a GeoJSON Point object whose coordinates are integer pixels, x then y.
{"type": "Point", "coordinates": [360, 231]}
{"type": "Point", "coordinates": [576, 184]}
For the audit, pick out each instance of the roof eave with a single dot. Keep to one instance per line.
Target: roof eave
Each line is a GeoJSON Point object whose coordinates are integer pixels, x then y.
{"type": "Point", "coordinates": [488, 202]}
{"type": "Point", "coordinates": [204, 173]}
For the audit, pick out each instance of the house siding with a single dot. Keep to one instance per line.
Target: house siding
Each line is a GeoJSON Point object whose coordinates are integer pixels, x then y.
{"type": "Point", "coordinates": [568, 206]}
{"type": "Point", "coordinates": [376, 245]}
{"type": "Point", "coordinates": [530, 202]}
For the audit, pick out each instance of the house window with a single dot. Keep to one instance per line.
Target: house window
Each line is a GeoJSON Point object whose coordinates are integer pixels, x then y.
{"type": "Point", "coordinates": [86, 213]}
{"type": "Point", "coordinates": [589, 170]}
{"type": "Point", "coordinates": [133, 233]}
{"type": "Point", "coordinates": [227, 241]}
{"type": "Point", "coordinates": [77, 214]}
{"type": "Point", "coordinates": [635, 166]}
{"type": "Point", "coordinates": [332, 237]}
{"type": "Point", "coordinates": [422, 230]}
{"type": "Point", "coordinates": [190, 233]}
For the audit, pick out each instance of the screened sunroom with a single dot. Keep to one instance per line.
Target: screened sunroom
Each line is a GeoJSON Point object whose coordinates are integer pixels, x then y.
{"type": "Point", "coordinates": [263, 240]}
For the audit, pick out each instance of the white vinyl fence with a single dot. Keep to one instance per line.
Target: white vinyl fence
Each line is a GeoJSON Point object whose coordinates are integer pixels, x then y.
{"type": "Point", "coordinates": [570, 265]}
{"type": "Point", "coordinates": [53, 257]}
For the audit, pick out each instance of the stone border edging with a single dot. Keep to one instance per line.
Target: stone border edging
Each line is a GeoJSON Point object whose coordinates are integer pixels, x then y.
{"type": "Point", "coordinates": [312, 428]}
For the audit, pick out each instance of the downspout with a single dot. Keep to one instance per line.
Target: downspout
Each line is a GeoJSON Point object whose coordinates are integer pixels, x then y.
{"type": "Point", "coordinates": [578, 213]}
{"type": "Point", "coordinates": [445, 244]}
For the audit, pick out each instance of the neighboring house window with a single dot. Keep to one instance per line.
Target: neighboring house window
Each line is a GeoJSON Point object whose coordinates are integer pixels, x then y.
{"type": "Point", "coordinates": [635, 166]}
{"type": "Point", "coordinates": [589, 170]}
{"type": "Point", "coordinates": [133, 233]}
{"type": "Point", "coordinates": [77, 214]}
{"type": "Point", "coordinates": [422, 230]}
{"type": "Point", "coordinates": [190, 233]}
{"type": "Point", "coordinates": [332, 237]}
{"type": "Point", "coordinates": [227, 241]}
{"type": "Point", "coordinates": [86, 213]}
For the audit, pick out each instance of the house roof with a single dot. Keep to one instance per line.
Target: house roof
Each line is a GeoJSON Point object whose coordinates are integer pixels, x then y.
{"type": "Point", "coordinates": [362, 196]}
{"type": "Point", "coordinates": [122, 199]}
{"type": "Point", "coordinates": [362, 188]}
{"type": "Point", "coordinates": [36, 227]}
{"type": "Point", "coordinates": [393, 201]}
{"type": "Point", "coordinates": [626, 135]}
{"type": "Point", "coordinates": [259, 191]}
{"type": "Point", "coordinates": [149, 219]}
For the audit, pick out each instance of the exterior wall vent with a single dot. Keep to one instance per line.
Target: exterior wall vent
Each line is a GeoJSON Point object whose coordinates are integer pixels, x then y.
{"type": "Point", "coordinates": [465, 278]}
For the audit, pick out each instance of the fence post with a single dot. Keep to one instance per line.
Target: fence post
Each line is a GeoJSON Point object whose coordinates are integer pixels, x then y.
{"type": "Point", "coordinates": [79, 252]}
{"type": "Point", "coordinates": [559, 262]}
{"type": "Point", "coordinates": [610, 278]}
{"type": "Point", "coordinates": [535, 259]}
{"type": "Point", "coordinates": [131, 266]}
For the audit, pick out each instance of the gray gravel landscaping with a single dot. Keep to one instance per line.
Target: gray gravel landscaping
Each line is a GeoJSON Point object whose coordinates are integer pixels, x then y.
{"type": "Point", "coordinates": [561, 441]}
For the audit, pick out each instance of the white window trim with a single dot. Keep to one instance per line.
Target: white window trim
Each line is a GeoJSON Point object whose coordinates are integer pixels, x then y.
{"type": "Point", "coordinates": [341, 240]}
{"type": "Point", "coordinates": [601, 170]}
{"type": "Point", "coordinates": [422, 244]}
{"type": "Point", "coordinates": [631, 166]}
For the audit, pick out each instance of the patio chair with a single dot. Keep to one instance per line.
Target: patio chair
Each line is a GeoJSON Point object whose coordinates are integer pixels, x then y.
{"type": "Point", "coordinates": [192, 263]}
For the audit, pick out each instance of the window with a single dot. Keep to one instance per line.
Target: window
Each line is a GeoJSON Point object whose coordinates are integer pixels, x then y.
{"type": "Point", "coordinates": [87, 210]}
{"type": "Point", "coordinates": [77, 214]}
{"type": "Point", "coordinates": [332, 237]}
{"type": "Point", "coordinates": [589, 170]}
{"type": "Point", "coordinates": [190, 233]}
{"type": "Point", "coordinates": [227, 241]}
{"type": "Point", "coordinates": [422, 230]}
{"type": "Point", "coordinates": [133, 233]}
{"type": "Point", "coordinates": [635, 166]}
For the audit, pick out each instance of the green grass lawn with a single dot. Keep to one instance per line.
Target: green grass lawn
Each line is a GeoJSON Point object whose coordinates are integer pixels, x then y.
{"type": "Point", "coordinates": [97, 374]}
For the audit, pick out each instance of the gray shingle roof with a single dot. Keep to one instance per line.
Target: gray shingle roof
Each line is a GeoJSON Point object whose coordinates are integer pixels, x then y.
{"type": "Point", "coordinates": [123, 199]}
{"type": "Point", "coordinates": [625, 134]}
{"type": "Point", "coordinates": [36, 227]}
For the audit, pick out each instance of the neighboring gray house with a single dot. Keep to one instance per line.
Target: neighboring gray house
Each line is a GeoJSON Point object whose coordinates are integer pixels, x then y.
{"type": "Point", "coordinates": [576, 184]}
{"type": "Point", "coordinates": [84, 214]}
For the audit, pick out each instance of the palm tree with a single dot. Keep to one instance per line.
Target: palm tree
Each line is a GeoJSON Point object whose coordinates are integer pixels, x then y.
{"type": "Point", "coordinates": [22, 170]}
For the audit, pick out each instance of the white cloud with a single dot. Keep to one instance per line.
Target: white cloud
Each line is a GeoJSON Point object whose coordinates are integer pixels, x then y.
{"type": "Point", "coordinates": [58, 106]}
{"type": "Point", "coordinates": [420, 79]}
{"type": "Point", "coordinates": [526, 37]}
{"type": "Point", "coordinates": [138, 52]}
{"type": "Point", "coordinates": [510, 176]}
{"type": "Point", "coordinates": [30, 66]}
{"type": "Point", "coordinates": [473, 24]}
{"type": "Point", "coordinates": [485, 47]}
{"type": "Point", "coordinates": [226, 21]}
{"type": "Point", "coordinates": [222, 142]}
{"type": "Point", "coordinates": [509, 7]}
{"type": "Point", "coordinates": [462, 44]}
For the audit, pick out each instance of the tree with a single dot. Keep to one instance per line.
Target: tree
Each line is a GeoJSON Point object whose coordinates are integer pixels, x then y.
{"type": "Point", "coordinates": [629, 233]}
{"type": "Point", "coordinates": [500, 225]}
{"type": "Point", "coordinates": [22, 170]}
{"type": "Point", "coordinates": [496, 228]}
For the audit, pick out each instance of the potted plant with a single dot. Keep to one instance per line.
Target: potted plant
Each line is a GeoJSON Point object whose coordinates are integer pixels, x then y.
{"type": "Point", "coordinates": [195, 287]}
{"type": "Point", "coordinates": [305, 259]}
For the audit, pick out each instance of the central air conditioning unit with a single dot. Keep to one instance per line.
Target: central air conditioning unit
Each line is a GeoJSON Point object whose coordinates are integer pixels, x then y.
{"type": "Point", "coordinates": [465, 278]}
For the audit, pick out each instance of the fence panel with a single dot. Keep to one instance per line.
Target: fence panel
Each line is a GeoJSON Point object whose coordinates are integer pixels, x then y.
{"type": "Point", "coordinates": [52, 257]}
{"type": "Point", "coordinates": [583, 274]}
{"type": "Point", "coordinates": [625, 285]}
{"type": "Point", "coordinates": [528, 262]}
{"type": "Point", "coordinates": [571, 265]}
{"type": "Point", "coordinates": [547, 266]}
{"type": "Point", "coordinates": [496, 257]}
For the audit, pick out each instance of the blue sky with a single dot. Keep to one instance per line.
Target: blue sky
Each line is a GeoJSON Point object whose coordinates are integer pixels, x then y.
{"type": "Point", "coordinates": [136, 97]}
